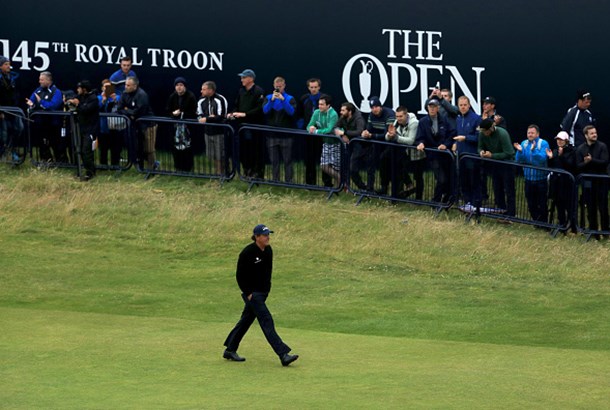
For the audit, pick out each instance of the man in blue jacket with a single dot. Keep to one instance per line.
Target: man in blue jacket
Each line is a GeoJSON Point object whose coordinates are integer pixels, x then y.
{"type": "Point", "coordinates": [434, 131]}
{"type": "Point", "coordinates": [466, 142]}
{"type": "Point", "coordinates": [280, 109]}
{"type": "Point", "coordinates": [48, 98]}
{"type": "Point", "coordinates": [532, 151]}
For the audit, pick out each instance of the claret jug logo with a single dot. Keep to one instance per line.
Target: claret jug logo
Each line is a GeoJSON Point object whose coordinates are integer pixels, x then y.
{"type": "Point", "coordinates": [365, 75]}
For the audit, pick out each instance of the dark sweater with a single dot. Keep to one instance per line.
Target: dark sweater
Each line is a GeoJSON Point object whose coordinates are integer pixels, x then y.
{"type": "Point", "coordinates": [254, 269]}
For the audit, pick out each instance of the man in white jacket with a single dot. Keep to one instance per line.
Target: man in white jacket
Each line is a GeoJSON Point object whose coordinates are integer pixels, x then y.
{"type": "Point", "coordinates": [403, 131]}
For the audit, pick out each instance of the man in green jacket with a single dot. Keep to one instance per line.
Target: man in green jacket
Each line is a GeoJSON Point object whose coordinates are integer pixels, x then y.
{"type": "Point", "coordinates": [323, 121]}
{"type": "Point", "coordinates": [495, 143]}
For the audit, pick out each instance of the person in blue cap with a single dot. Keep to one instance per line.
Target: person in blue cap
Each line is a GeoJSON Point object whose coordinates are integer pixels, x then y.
{"type": "Point", "coordinates": [253, 275]}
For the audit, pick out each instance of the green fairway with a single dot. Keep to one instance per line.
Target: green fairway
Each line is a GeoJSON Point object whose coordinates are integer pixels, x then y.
{"type": "Point", "coordinates": [82, 360]}
{"type": "Point", "coordinates": [119, 294]}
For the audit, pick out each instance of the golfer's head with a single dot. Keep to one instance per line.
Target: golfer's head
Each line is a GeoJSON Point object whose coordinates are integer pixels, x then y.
{"type": "Point", "coordinates": [261, 233]}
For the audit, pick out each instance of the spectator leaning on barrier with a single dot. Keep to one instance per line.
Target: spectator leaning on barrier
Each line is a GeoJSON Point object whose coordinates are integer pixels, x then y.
{"type": "Point", "coordinates": [495, 143]}
{"type": "Point", "coordinates": [466, 142]}
{"type": "Point", "coordinates": [377, 125]}
{"type": "Point", "coordinates": [280, 108]}
{"type": "Point", "coordinates": [182, 104]}
{"type": "Point", "coordinates": [119, 77]}
{"type": "Point", "coordinates": [48, 97]}
{"type": "Point", "coordinates": [308, 103]}
{"type": "Point", "coordinates": [212, 109]}
{"type": "Point", "coordinates": [578, 117]}
{"type": "Point", "coordinates": [592, 158]}
{"type": "Point", "coordinates": [561, 189]}
{"type": "Point", "coordinates": [434, 131]}
{"type": "Point", "coordinates": [403, 131]}
{"type": "Point", "coordinates": [323, 121]}
{"type": "Point", "coordinates": [112, 128]}
{"type": "Point", "coordinates": [11, 125]}
{"type": "Point", "coordinates": [134, 104]}
{"type": "Point", "coordinates": [533, 151]}
{"type": "Point", "coordinates": [350, 124]}
{"type": "Point", "coordinates": [88, 116]}
{"type": "Point", "coordinates": [249, 110]}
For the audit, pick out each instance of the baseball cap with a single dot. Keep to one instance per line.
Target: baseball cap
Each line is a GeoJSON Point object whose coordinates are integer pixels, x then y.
{"type": "Point", "coordinates": [489, 100]}
{"type": "Point", "coordinates": [486, 124]}
{"type": "Point", "coordinates": [562, 135]}
{"type": "Point", "coordinates": [261, 230]}
{"type": "Point", "coordinates": [247, 73]}
{"type": "Point", "coordinates": [582, 94]}
{"type": "Point", "coordinates": [375, 102]}
{"type": "Point", "coordinates": [433, 101]}
{"type": "Point", "coordinates": [85, 84]}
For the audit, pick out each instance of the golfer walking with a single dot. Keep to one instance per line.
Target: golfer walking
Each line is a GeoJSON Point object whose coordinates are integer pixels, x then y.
{"type": "Point", "coordinates": [253, 274]}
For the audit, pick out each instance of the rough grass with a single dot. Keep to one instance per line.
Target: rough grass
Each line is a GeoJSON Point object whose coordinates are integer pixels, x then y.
{"type": "Point", "coordinates": [390, 297]}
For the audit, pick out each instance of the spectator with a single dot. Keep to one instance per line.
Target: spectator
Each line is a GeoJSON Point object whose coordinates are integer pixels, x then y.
{"type": "Point", "coordinates": [577, 118]}
{"type": "Point", "coordinates": [434, 131]}
{"type": "Point", "coordinates": [119, 77]}
{"type": "Point", "coordinates": [323, 121]}
{"type": "Point", "coordinates": [111, 128]}
{"type": "Point", "coordinates": [88, 116]}
{"type": "Point", "coordinates": [489, 111]}
{"type": "Point", "coordinates": [466, 142]}
{"type": "Point", "coordinates": [447, 109]}
{"type": "Point", "coordinates": [592, 158]}
{"type": "Point", "coordinates": [377, 125]}
{"type": "Point", "coordinates": [280, 109]}
{"type": "Point", "coordinates": [561, 188]}
{"type": "Point", "coordinates": [350, 124]}
{"type": "Point", "coordinates": [495, 143]}
{"type": "Point", "coordinates": [403, 131]}
{"type": "Point", "coordinates": [212, 109]}
{"type": "Point", "coordinates": [533, 151]}
{"type": "Point", "coordinates": [11, 125]}
{"type": "Point", "coordinates": [47, 98]}
{"type": "Point", "coordinates": [249, 109]}
{"type": "Point", "coordinates": [308, 103]}
{"type": "Point", "coordinates": [182, 104]}
{"type": "Point", "coordinates": [134, 104]}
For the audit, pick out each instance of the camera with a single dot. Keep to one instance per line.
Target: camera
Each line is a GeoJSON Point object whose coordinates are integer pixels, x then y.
{"type": "Point", "coordinates": [277, 90]}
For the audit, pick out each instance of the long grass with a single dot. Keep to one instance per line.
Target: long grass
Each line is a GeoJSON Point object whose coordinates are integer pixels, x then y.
{"type": "Point", "coordinates": [131, 283]}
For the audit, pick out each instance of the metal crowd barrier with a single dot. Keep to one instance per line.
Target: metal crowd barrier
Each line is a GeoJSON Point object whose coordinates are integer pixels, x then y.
{"type": "Point", "coordinates": [275, 156]}
{"type": "Point", "coordinates": [391, 171]}
{"type": "Point", "coordinates": [53, 141]}
{"type": "Point", "coordinates": [166, 146]}
{"type": "Point", "coordinates": [592, 211]}
{"type": "Point", "coordinates": [497, 189]}
{"type": "Point", "coordinates": [13, 147]}
{"type": "Point", "coordinates": [51, 138]}
{"type": "Point", "coordinates": [113, 147]}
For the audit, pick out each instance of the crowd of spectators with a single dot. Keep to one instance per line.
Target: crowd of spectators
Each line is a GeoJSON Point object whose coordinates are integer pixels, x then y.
{"type": "Point", "coordinates": [410, 146]}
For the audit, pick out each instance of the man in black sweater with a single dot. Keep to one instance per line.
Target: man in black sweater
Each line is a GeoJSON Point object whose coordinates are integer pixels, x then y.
{"type": "Point", "coordinates": [88, 116]}
{"type": "Point", "coordinates": [253, 275]}
{"type": "Point", "coordinates": [592, 158]}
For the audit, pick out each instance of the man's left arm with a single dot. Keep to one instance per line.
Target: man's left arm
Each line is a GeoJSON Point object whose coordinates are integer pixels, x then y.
{"type": "Point", "coordinates": [452, 110]}
{"type": "Point", "coordinates": [289, 105]}
{"type": "Point", "coordinates": [507, 149]}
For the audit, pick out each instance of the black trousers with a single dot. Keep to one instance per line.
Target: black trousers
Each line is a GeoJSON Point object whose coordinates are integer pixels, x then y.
{"type": "Point", "coordinates": [256, 309]}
